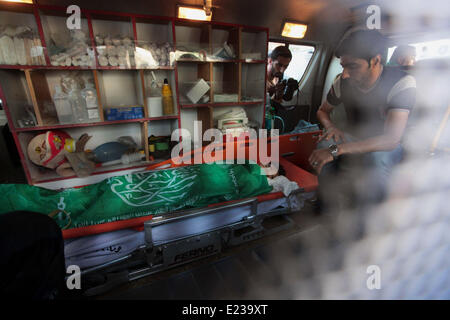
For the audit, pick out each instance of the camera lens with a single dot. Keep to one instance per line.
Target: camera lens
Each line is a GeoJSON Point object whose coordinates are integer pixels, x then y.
{"type": "Point", "coordinates": [291, 86]}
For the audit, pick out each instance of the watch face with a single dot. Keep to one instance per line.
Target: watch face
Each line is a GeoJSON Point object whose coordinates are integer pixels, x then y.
{"type": "Point", "coordinates": [334, 150]}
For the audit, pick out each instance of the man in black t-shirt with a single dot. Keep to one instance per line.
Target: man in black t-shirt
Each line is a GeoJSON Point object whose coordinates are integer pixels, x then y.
{"type": "Point", "coordinates": [377, 101]}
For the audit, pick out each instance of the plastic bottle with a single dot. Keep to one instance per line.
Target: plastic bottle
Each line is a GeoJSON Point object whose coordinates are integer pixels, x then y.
{"type": "Point", "coordinates": [167, 98]}
{"type": "Point", "coordinates": [63, 107]}
{"type": "Point", "coordinates": [78, 104]}
{"type": "Point", "coordinates": [89, 94]}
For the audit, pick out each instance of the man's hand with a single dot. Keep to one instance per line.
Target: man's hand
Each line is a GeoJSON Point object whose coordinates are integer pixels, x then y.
{"type": "Point", "coordinates": [276, 89]}
{"type": "Point", "coordinates": [333, 133]}
{"type": "Point", "coordinates": [279, 91]}
{"type": "Point", "coordinates": [319, 158]}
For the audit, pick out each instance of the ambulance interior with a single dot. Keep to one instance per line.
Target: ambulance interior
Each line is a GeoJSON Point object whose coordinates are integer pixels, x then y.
{"type": "Point", "coordinates": [311, 256]}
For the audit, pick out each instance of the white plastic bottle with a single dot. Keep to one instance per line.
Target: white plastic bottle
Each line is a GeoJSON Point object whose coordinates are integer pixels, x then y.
{"type": "Point", "coordinates": [63, 107]}
{"type": "Point", "coordinates": [89, 94]}
{"type": "Point", "coordinates": [78, 104]}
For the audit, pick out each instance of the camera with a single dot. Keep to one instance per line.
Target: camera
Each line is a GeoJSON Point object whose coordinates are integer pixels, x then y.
{"type": "Point", "coordinates": [290, 86]}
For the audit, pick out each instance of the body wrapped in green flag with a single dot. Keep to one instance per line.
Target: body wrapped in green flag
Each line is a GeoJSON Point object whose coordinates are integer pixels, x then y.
{"type": "Point", "coordinates": [139, 194]}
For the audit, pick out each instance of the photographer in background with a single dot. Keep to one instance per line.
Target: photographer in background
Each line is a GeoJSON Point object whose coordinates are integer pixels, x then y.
{"type": "Point", "coordinates": [280, 92]}
{"type": "Point", "coordinates": [277, 63]}
{"type": "Point", "coordinates": [404, 56]}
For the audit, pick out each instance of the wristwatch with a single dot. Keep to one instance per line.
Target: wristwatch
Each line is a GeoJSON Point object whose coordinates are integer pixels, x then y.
{"type": "Point", "coordinates": [334, 151]}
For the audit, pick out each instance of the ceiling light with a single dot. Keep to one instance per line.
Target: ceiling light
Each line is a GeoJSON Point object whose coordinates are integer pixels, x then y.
{"type": "Point", "coordinates": [21, 1]}
{"type": "Point", "coordinates": [193, 13]}
{"type": "Point", "coordinates": [294, 30]}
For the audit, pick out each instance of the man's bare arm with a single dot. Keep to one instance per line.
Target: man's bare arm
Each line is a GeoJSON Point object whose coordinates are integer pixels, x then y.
{"type": "Point", "coordinates": [323, 114]}
{"type": "Point", "coordinates": [394, 128]}
{"type": "Point", "coordinates": [331, 132]}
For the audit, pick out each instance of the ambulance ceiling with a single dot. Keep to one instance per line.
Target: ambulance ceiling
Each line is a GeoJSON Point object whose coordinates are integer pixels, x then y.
{"type": "Point", "coordinates": [327, 19]}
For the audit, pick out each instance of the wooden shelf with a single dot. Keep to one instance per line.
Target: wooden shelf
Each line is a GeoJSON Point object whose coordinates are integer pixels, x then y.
{"type": "Point", "coordinates": [162, 118]}
{"type": "Point", "coordinates": [157, 68]}
{"type": "Point", "coordinates": [192, 60]}
{"type": "Point", "coordinates": [199, 105]}
{"type": "Point", "coordinates": [223, 61]}
{"type": "Point", "coordinates": [135, 68]}
{"type": "Point", "coordinates": [252, 61]}
{"type": "Point", "coordinates": [28, 85]}
{"type": "Point", "coordinates": [100, 170]}
{"type": "Point", "coordinates": [222, 104]}
{"type": "Point", "coordinates": [22, 67]}
{"type": "Point", "coordinates": [79, 125]}
{"type": "Point", "coordinates": [45, 67]}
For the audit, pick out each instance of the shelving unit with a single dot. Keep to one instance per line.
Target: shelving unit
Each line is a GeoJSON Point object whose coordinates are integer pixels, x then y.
{"type": "Point", "coordinates": [231, 59]}
{"type": "Point", "coordinates": [57, 35]}
{"type": "Point", "coordinates": [150, 47]}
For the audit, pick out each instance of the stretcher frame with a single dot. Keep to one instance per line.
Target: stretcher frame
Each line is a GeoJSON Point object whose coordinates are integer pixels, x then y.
{"type": "Point", "coordinates": [151, 257]}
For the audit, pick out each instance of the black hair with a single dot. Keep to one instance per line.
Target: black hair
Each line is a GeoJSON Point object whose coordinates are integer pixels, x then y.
{"type": "Point", "coordinates": [281, 51]}
{"type": "Point", "coordinates": [363, 44]}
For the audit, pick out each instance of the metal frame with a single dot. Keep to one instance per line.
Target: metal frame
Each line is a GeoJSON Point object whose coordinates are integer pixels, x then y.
{"type": "Point", "coordinates": [150, 258]}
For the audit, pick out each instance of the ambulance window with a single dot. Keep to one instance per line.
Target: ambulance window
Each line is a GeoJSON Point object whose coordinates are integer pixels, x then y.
{"type": "Point", "coordinates": [437, 49]}
{"type": "Point", "coordinates": [301, 56]}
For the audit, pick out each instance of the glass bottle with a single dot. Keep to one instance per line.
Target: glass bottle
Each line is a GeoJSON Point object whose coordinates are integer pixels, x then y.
{"type": "Point", "coordinates": [78, 104]}
{"type": "Point", "coordinates": [167, 98]}
{"type": "Point", "coordinates": [63, 107]}
{"type": "Point", "coordinates": [89, 94]}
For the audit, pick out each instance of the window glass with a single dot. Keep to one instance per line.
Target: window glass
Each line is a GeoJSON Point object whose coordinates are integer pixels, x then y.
{"type": "Point", "coordinates": [301, 55]}
{"type": "Point", "coordinates": [428, 50]}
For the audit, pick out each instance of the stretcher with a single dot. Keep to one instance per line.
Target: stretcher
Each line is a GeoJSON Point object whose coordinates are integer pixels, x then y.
{"type": "Point", "coordinates": [123, 251]}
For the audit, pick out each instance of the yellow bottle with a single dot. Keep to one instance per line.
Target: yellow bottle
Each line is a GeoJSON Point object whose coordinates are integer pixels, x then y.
{"type": "Point", "coordinates": [167, 98]}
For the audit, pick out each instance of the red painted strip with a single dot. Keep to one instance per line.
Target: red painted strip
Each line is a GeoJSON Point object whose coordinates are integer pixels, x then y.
{"type": "Point", "coordinates": [94, 173]}
{"type": "Point", "coordinates": [105, 227]}
{"type": "Point", "coordinates": [221, 104]}
{"type": "Point", "coordinates": [174, 41]}
{"type": "Point", "coordinates": [91, 35]}
{"type": "Point", "coordinates": [133, 22]}
{"type": "Point", "coordinates": [265, 85]}
{"type": "Point", "coordinates": [253, 61]}
{"type": "Point", "coordinates": [50, 67]}
{"type": "Point", "coordinates": [76, 125]}
{"type": "Point", "coordinates": [162, 118]}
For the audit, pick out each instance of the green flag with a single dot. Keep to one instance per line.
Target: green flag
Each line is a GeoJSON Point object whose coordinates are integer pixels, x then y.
{"type": "Point", "coordinates": [139, 194]}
